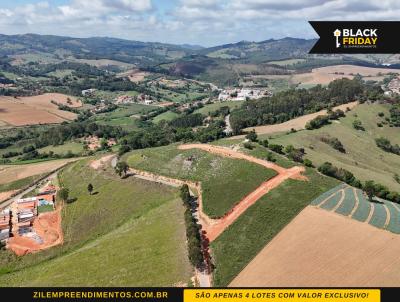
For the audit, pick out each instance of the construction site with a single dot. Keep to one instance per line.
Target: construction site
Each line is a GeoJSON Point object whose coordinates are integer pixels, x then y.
{"type": "Point", "coordinates": [33, 223]}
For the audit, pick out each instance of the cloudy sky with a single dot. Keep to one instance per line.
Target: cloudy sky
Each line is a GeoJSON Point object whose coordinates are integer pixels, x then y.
{"type": "Point", "coordinates": [203, 22]}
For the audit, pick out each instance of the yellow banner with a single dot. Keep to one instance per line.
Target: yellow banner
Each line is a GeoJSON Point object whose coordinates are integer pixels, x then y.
{"type": "Point", "coordinates": [282, 295]}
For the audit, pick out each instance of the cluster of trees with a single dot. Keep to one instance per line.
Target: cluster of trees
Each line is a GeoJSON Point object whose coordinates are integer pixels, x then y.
{"type": "Point", "coordinates": [387, 146]}
{"type": "Point", "coordinates": [296, 102]}
{"type": "Point", "coordinates": [323, 120]}
{"type": "Point", "coordinates": [357, 124]}
{"type": "Point", "coordinates": [193, 230]}
{"type": "Point", "coordinates": [334, 142]}
{"type": "Point", "coordinates": [395, 115]}
{"type": "Point", "coordinates": [370, 187]}
{"type": "Point", "coordinates": [179, 129]}
{"type": "Point", "coordinates": [57, 135]}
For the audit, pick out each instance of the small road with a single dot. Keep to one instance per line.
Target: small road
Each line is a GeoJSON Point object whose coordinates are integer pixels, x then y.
{"type": "Point", "coordinates": [9, 201]}
{"type": "Point", "coordinates": [228, 127]}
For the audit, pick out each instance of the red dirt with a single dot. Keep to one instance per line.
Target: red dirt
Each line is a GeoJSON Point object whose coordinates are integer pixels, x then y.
{"type": "Point", "coordinates": [214, 227]}
{"type": "Point", "coordinates": [47, 226]}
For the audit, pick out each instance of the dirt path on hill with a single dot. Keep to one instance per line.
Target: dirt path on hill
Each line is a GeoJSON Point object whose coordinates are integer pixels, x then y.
{"type": "Point", "coordinates": [99, 163]}
{"type": "Point", "coordinates": [212, 228]}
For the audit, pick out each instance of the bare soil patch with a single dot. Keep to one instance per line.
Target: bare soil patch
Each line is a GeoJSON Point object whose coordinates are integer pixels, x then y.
{"type": "Point", "coordinates": [35, 110]}
{"type": "Point", "coordinates": [47, 226]}
{"type": "Point", "coordinates": [323, 249]}
{"type": "Point", "coordinates": [99, 163]}
{"type": "Point", "coordinates": [325, 75]}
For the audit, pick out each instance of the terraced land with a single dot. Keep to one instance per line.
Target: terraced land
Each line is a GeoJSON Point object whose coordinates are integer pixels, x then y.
{"type": "Point", "coordinates": [354, 204]}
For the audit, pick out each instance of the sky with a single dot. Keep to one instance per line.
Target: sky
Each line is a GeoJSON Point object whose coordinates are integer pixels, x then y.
{"type": "Point", "coordinates": [200, 22]}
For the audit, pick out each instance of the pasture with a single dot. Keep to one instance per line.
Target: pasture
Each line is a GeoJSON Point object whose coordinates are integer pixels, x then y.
{"type": "Point", "coordinates": [363, 158]}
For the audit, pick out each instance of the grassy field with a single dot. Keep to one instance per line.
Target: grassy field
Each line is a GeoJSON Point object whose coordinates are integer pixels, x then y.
{"type": "Point", "coordinates": [127, 110]}
{"type": "Point", "coordinates": [74, 147]}
{"type": "Point", "coordinates": [166, 116]}
{"type": "Point", "coordinates": [225, 181]}
{"type": "Point", "coordinates": [215, 106]}
{"type": "Point", "coordinates": [242, 241]}
{"type": "Point", "coordinates": [126, 227]}
{"type": "Point", "coordinates": [126, 123]}
{"type": "Point", "coordinates": [362, 157]}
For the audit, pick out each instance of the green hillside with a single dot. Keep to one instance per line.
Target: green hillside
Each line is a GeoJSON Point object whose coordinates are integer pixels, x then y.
{"type": "Point", "coordinates": [126, 227]}
{"type": "Point", "coordinates": [225, 181]}
{"type": "Point", "coordinates": [363, 158]}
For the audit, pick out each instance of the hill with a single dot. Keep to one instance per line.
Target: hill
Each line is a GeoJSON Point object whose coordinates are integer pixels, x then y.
{"type": "Point", "coordinates": [126, 227]}
{"type": "Point", "coordinates": [57, 48]}
{"type": "Point", "coordinates": [362, 157]}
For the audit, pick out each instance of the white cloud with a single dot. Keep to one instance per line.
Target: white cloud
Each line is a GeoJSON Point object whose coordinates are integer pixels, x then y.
{"type": "Point", "coordinates": [206, 22]}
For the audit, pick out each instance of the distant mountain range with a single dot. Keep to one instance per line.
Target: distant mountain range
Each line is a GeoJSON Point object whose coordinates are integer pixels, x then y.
{"type": "Point", "coordinates": [222, 64]}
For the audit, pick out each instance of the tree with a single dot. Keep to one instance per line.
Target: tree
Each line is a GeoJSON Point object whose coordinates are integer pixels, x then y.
{"type": "Point", "coordinates": [369, 189]}
{"type": "Point", "coordinates": [90, 188]}
{"type": "Point", "coordinates": [63, 194]}
{"type": "Point", "coordinates": [252, 136]}
{"type": "Point", "coordinates": [185, 194]}
{"type": "Point", "coordinates": [121, 168]}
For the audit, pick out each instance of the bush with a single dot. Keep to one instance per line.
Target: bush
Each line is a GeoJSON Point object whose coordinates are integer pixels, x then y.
{"type": "Point", "coordinates": [334, 143]}
{"type": "Point", "coordinates": [252, 136]}
{"type": "Point", "coordinates": [276, 148]}
{"type": "Point", "coordinates": [308, 163]}
{"type": "Point", "coordinates": [357, 124]}
{"type": "Point", "coordinates": [248, 146]}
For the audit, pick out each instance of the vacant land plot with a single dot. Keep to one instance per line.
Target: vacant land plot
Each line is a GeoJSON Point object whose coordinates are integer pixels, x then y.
{"type": "Point", "coordinates": [363, 158]}
{"type": "Point", "coordinates": [323, 249]}
{"type": "Point", "coordinates": [10, 173]}
{"type": "Point", "coordinates": [225, 181]}
{"type": "Point", "coordinates": [325, 75]}
{"type": "Point", "coordinates": [36, 109]}
{"type": "Point", "coordinates": [72, 146]}
{"type": "Point", "coordinates": [126, 227]}
{"type": "Point", "coordinates": [243, 240]}
{"type": "Point", "coordinates": [298, 123]}
{"type": "Point", "coordinates": [135, 75]}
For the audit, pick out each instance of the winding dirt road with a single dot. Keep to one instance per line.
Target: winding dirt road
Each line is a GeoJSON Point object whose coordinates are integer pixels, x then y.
{"type": "Point", "coordinates": [214, 227]}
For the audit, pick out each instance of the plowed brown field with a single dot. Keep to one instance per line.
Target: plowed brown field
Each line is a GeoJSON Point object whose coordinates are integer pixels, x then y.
{"type": "Point", "coordinates": [323, 249]}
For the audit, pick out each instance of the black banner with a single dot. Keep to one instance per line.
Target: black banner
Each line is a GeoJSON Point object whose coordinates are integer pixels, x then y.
{"type": "Point", "coordinates": [354, 37]}
{"type": "Point", "coordinates": [173, 294]}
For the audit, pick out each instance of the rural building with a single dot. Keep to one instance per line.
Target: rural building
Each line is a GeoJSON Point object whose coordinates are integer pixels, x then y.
{"type": "Point", "coordinates": [243, 94]}
{"type": "Point", "coordinates": [5, 224]}
{"type": "Point", "coordinates": [88, 92]}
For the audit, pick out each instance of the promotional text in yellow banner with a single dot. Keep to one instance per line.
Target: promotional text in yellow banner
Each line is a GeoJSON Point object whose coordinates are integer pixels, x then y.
{"type": "Point", "coordinates": [282, 295]}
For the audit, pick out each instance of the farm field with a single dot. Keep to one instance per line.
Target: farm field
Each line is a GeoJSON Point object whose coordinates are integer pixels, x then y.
{"type": "Point", "coordinates": [10, 173]}
{"type": "Point", "coordinates": [126, 227]}
{"type": "Point", "coordinates": [225, 181]}
{"type": "Point", "coordinates": [298, 123]}
{"type": "Point", "coordinates": [243, 240]}
{"type": "Point", "coordinates": [20, 183]}
{"type": "Point", "coordinates": [325, 75]}
{"type": "Point", "coordinates": [342, 253]}
{"type": "Point", "coordinates": [217, 105]}
{"type": "Point", "coordinates": [126, 111]}
{"type": "Point", "coordinates": [353, 203]}
{"type": "Point", "coordinates": [33, 110]}
{"type": "Point", "coordinates": [363, 158]}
